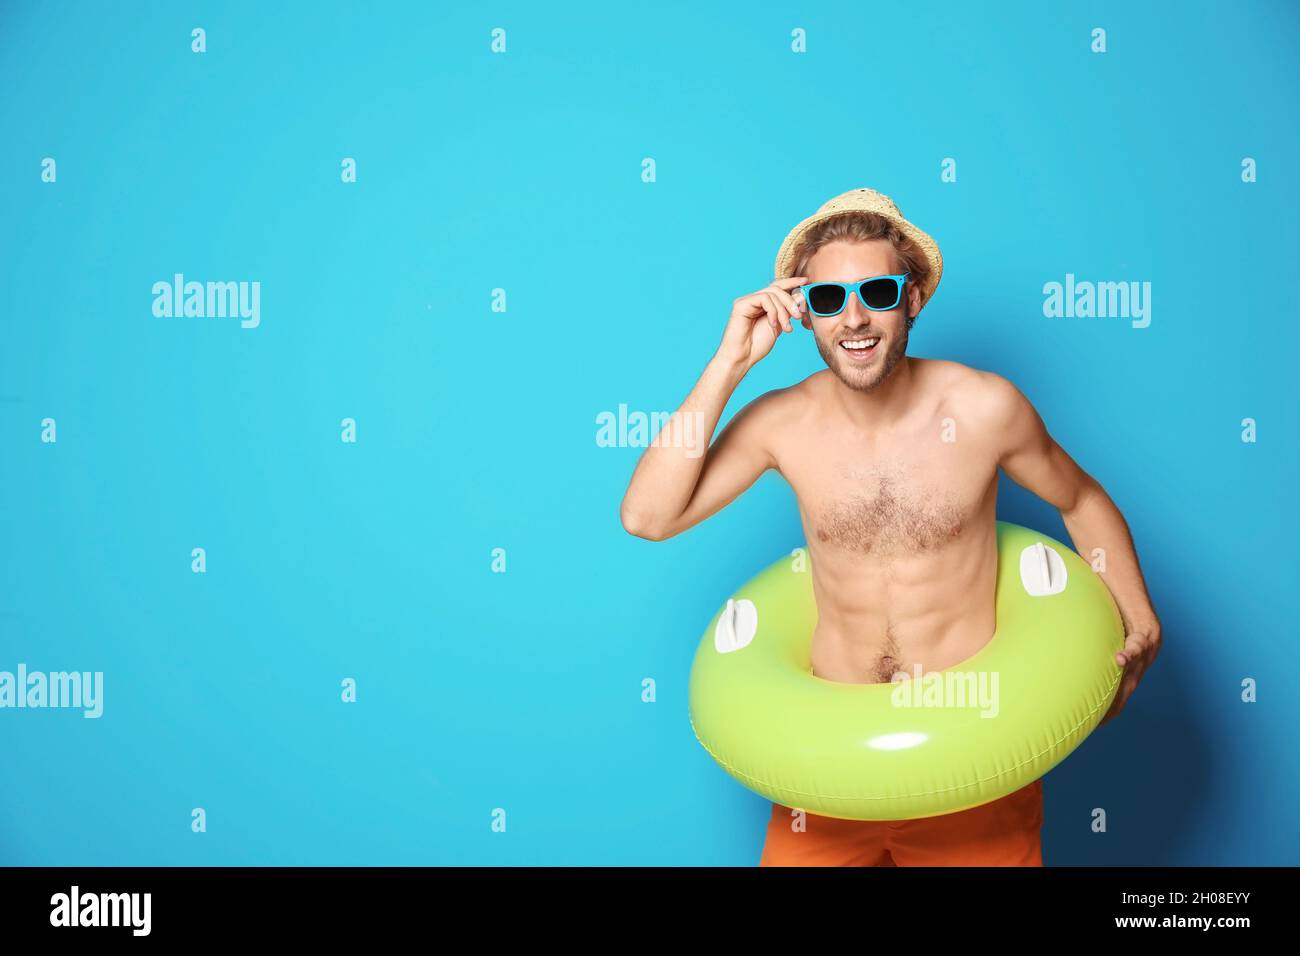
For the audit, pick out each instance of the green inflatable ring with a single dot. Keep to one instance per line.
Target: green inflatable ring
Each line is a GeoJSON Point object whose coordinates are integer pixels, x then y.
{"type": "Point", "coordinates": [947, 741]}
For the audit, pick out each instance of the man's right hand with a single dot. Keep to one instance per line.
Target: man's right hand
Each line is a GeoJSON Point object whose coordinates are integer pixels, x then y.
{"type": "Point", "coordinates": [758, 319]}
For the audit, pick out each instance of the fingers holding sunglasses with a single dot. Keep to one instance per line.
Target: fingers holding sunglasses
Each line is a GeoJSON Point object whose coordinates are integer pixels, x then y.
{"type": "Point", "coordinates": [793, 303]}
{"type": "Point", "coordinates": [779, 310]}
{"type": "Point", "coordinates": [769, 313]}
{"type": "Point", "coordinates": [787, 305]}
{"type": "Point", "coordinates": [756, 322]}
{"type": "Point", "coordinates": [789, 292]}
{"type": "Point", "coordinates": [790, 304]}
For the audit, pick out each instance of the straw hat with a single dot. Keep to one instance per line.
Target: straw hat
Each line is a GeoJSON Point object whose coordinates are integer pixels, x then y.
{"type": "Point", "coordinates": [866, 200]}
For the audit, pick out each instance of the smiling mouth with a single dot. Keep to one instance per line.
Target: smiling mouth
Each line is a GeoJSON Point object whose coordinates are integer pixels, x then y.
{"type": "Point", "coordinates": [860, 349]}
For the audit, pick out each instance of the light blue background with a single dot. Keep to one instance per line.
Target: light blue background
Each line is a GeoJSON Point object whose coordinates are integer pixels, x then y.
{"type": "Point", "coordinates": [477, 430]}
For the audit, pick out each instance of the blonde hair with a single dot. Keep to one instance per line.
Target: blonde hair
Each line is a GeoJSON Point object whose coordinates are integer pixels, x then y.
{"type": "Point", "coordinates": [859, 226]}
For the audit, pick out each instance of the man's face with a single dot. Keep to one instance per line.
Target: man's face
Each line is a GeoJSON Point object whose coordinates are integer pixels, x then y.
{"type": "Point", "coordinates": [885, 333]}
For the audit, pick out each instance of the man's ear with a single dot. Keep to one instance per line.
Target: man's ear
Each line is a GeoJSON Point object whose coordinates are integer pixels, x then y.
{"type": "Point", "coordinates": [913, 300]}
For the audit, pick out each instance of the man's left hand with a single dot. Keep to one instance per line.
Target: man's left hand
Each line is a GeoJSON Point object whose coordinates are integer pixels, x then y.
{"type": "Point", "coordinates": [1141, 645]}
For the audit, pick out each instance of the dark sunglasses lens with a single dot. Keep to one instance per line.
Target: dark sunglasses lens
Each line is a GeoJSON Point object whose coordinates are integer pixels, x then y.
{"type": "Point", "coordinates": [880, 293]}
{"type": "Point", "coordinates": [825, 299]}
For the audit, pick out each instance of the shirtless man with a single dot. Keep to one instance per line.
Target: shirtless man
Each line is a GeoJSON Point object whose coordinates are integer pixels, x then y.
{"type": "Point", "coordinates": [894, 461]}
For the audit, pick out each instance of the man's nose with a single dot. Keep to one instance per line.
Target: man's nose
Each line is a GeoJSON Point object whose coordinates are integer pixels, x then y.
{"type": "Point", "coordinates": [855, 316]}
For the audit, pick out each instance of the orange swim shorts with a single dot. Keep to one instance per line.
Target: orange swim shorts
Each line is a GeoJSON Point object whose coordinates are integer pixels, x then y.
{"type": "Point", "coordinates": [1005, 832]}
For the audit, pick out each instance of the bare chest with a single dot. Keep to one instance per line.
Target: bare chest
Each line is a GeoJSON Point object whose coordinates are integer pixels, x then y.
{"type": "Point", "coordinates": [890, 508]}
{"type": "Point", "coordinates": [884, 515]}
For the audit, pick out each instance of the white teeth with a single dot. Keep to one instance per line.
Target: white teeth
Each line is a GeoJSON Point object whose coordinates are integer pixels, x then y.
{"type": "Point", "coordinates": [860, 343]}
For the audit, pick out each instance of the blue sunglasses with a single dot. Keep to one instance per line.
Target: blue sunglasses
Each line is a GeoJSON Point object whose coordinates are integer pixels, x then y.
{"type": "Point", "coordinates": [879, 294]}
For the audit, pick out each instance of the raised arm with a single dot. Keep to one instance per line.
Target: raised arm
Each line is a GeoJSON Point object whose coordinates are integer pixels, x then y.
{"type": "Point", "coordinates": [672, 491]}
{"type": "Point", "coordinates": [681, 479]}
{"type": "Point", "coordinates": [1033, 459]}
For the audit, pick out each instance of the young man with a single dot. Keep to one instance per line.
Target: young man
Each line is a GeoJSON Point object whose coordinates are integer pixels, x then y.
{"type": "Point", "coordinates": [894, 461]}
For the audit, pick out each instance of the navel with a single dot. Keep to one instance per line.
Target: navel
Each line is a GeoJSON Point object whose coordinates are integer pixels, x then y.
{"type": "Point", "coordinates": [885, 669]}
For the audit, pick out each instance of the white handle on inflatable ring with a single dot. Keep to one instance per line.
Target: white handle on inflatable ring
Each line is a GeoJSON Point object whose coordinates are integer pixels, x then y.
{"type": "Point", "coordinates": [1042, 571]}
{"type": "Point", "coordinates": [1045, 569]}
{"type": "Point", "coordinates": [737, 626]}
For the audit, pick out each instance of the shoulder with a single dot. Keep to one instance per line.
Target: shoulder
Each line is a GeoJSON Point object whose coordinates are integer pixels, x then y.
{"type": "Point", "coordinates": [975, 392]}
{"type": "Point", "coordinates": [772, 412]}
{"type": "Point", "coordinates": [766, 423]}
{"type": "Point", "coordinates": [787, 405]}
